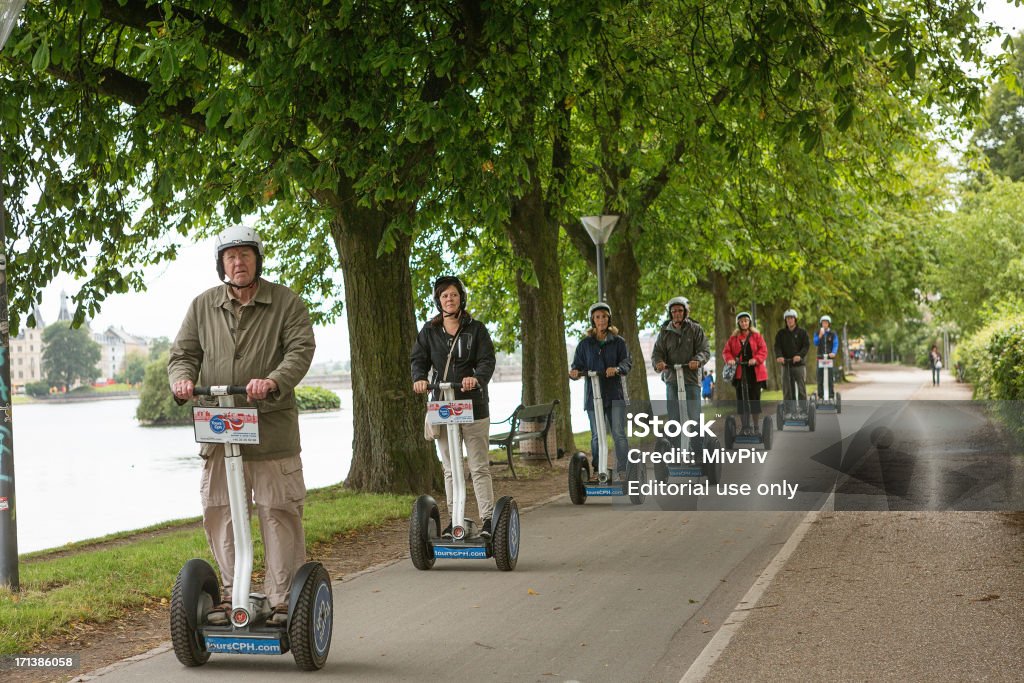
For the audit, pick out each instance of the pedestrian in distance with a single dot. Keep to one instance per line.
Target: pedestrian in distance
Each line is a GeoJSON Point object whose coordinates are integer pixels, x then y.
{"type": "Point", "coordinates": [792, 345]}
{"type": "Point", "coordinates": [708, 386]}
{"type": "Point", "coordinates": [827, 343]}
{"type": "Point", "coordinates": [455, 347]}
{"type": "Point", "coordinates": [681, 341]}
{"type": "Point", "coordinates": [249, 331]}
{"type": "Point", "coordinates": [747, 351]}
{"type": "Point", "coordinates": [935, 360]}
{"type": "Point", "coordinates": [602, 350]}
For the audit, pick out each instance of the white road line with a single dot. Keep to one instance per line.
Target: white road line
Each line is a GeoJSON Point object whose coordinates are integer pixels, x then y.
{"type": "Point", "coordinates": [713, 650]}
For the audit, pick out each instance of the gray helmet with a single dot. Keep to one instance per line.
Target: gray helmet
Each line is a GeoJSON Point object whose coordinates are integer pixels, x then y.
{"type": "Point", "coordinates": [825, 319]}
{"type": "Point", "coordinates": [678, 301]}
{"type": "Point", "coordinates": [790, 313]}
{"type": "Point", "coordinates": [598, 306]}
{"type": "Point", "coordinates": [743, 314]}
{"type": "Point", "coordinates": [238, 236]}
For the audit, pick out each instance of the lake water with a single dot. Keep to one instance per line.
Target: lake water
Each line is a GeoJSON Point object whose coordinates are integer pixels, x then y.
{"type": "Point", "coordinates": [88, 469]}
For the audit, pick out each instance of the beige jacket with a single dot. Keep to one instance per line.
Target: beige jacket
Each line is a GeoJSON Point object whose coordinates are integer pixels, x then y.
{"type": "Point", "coordinates": [273, 339]}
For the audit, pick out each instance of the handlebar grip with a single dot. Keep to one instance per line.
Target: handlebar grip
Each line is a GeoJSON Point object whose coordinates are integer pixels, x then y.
{"type": "Point", "coordinates": [220, 390]}
{"type": "Point", "coordinates": [438, 386]}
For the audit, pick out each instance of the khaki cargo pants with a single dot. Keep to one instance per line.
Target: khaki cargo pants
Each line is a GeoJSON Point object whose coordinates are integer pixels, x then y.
{"type": "Point", "coordinates": [474, 441]}
{"type": "Point", "coordinates": [278, 491]}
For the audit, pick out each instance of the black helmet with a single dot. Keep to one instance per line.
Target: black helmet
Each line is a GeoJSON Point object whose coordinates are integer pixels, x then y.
{"type": "Point", "coordinates": [238, 236]}
{"type": "Point", "coordinates": [444, 282]}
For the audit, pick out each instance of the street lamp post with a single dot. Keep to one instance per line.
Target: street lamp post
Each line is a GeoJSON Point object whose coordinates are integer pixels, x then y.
{"type": "Point", "coordinates": [600, 229]}
{"type": "Point", "coordinates": [9, 10]}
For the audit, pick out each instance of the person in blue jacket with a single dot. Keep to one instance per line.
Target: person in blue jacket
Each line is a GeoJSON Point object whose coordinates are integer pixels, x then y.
{"type": "Point", "coordinates": [604, 351]}
{"type": "Point", "coordinates": [827, 342]}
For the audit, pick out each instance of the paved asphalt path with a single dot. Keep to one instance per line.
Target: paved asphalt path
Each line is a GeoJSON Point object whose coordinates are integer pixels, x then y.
{"type": "Point", "coordinates": [602, 592]}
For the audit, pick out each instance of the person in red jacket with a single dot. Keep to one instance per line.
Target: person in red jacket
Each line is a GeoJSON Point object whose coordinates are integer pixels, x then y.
{"type": "Point", "coordinates": [746, 350]}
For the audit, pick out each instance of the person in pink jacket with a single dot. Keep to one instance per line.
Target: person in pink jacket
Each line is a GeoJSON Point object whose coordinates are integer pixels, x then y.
{"type": "Point", "coordinates": [746, 350]}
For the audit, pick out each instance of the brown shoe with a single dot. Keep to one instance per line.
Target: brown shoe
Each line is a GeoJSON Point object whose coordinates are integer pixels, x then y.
{"type": "Point", "coordinates": [218, 615]}
{"type": "Point", "coordinates": [279, 617]}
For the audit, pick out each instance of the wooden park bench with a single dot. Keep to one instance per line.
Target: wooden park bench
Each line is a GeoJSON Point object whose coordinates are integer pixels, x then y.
{"type": "Point", "coordinates": [543, 413]}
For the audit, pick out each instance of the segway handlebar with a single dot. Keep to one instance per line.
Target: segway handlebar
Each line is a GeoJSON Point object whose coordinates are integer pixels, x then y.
{"type": "Point", "coordinates": [441, 386]}
{"type": "Point", "coordinates": [220, 390]}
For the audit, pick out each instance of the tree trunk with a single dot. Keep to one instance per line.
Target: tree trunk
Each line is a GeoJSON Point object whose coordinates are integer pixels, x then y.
{"type": "Point", "coordinates": [545, 362]}
{"type": "Point", "coordinates": [769, 323]}
{"type": "Point", "coordinates": [724, 326]}
{"type": "Point", "coordinates": [623, 284]}
{"type": "Point", "coordinates": [389, 453]}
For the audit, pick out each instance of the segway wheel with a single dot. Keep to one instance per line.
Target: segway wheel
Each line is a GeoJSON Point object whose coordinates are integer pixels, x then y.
{"type": "Point", "coordinates": [635, 472]}
{"type": "Point", "coordinates": [506, 536]}
{"type": "Point", "coordinates": [766, 433]}
{"type": "Point", "coordinates": [712, 470]}
{"type": "Point", "coordinates": [311, 624]}
{"type": "Point", "coordinates": [780, 417]}
{"type": "Point", "coordinates": [195, 592]}
{"type": "Point", "coordinates": [424, 514]}
{"type": "Point", "coordinates": [811, 416]}
{"type": "Point", "coordinates": [660, 468]}
{"type": "Point", "coordinates": [839, 404]}
{"type": "Point", "coordinates": [730, 432]}
{"type": "Point", "coordinates": [579, 473]}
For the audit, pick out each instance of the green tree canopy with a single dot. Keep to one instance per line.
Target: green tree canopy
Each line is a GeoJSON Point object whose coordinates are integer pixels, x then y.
{"type": "Point", "coordinates": [1001, 133]}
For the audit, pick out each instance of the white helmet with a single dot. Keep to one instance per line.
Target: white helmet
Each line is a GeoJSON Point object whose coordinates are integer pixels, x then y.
{"type": "Point", "coordinates": [790, 313]}
{"type": "Point", "coordinates": [598, 306]}
{"type": "Point", "coordinates": [678, 301]}
{"type": "Point", "coordinates": [238, 236]}
{"type": "Point", "coordinates": [825, 319]}
{"type": "Point", "coordinates": [743, 314]}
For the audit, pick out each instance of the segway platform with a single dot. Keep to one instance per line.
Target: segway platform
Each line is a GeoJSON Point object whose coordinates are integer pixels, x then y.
{"type": "Point", "coordinates": [425, 542]}
{"type": "Point", "coordinates": [308, 628]}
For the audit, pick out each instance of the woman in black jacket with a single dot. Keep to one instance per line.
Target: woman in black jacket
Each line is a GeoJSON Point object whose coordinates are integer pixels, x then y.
{"type": "Point", "coordinates": [459, 349]}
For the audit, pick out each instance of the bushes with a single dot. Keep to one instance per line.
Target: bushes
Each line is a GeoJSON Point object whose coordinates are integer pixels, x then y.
{"type": "Point", "coordinates": [993, 359]}
{"type": "Point", "coordinates": [156, 404]}
{"type": "Point", "coordinates": [38, 389]}
{"type": "Point", "coordinates": [316, 398]}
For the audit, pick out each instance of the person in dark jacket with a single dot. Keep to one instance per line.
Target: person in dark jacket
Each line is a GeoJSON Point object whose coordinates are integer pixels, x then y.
{"type": "Point", "coordinates": [827, 343]}
{"type": "Point", "coordinates": [935, 360]}
{"type": "Point", "coordinates": [459, 349]}
{"type": "Point", "coordinates": [681, 341]}
{"type": "Point", "coordinates": [791, 347]}
{"type": "Point", "coordinates": [605, 352]}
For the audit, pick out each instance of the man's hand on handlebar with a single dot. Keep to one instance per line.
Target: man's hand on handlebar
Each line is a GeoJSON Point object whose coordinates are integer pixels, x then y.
{"type": "Point", "coordinates": [183, 389]}
{"type": "Point", "coordinates": [259, 389]}
{"type": "Point", "coordinates": [469, 383]}
{"type": "Point", "coordinates": [660, 366]}
{"type": "Point", "coordinates": [420, 386]}
{"type": "Point", "coordinates": [780, 360]}
{"type": "Point", "coordinates": [693, 365]}
{"type": "Point", "coordinates": [574, 373]}
{"type": "Point", "coordinates": [796, 359]}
